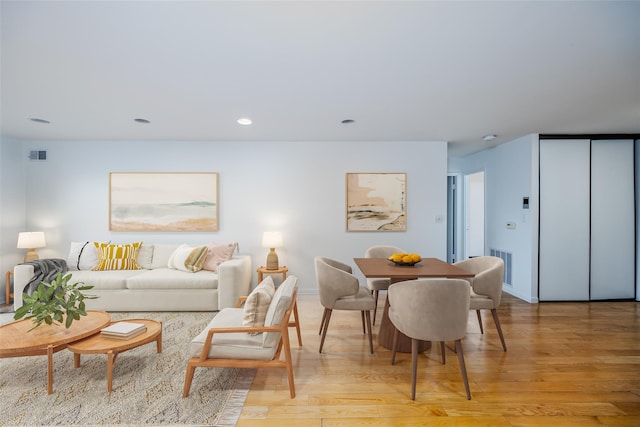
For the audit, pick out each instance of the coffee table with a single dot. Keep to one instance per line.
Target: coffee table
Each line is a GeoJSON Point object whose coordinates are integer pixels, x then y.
{"type": "Point", "coordinates": [98, 344]}
{"type": "Point", "coordinates": [16, 341]}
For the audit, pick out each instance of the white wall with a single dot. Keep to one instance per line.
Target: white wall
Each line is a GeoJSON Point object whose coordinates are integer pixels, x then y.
{"type": "Point", "coordinates": [12, 206]}
{"type": "Point", "coordinates": [295, 187]}
{"type": "Point", "coordinates": [509, 176]}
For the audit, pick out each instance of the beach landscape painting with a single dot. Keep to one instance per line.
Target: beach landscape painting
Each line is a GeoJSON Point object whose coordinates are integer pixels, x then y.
{"type": "Point", "coordinates": [376, 201]}
{"type": "Point", "coordinates": [158, 201]}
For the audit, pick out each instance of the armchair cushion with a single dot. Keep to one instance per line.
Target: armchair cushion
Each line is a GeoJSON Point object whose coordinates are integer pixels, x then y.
{"type": "Point", "coordinates": [257, 304]}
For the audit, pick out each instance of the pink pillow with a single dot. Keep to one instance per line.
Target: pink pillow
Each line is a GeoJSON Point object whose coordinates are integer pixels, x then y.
{"type": "Point", "coordinates": [217, 254]}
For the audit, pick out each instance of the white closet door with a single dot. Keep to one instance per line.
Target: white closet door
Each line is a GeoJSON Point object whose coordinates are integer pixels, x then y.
{"type": "Point", "coordinates": [564, 220]}
{"type": "Point", "coordinates": [612, 220]}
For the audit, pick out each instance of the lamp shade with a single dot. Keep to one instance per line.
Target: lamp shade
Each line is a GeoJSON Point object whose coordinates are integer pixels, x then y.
{"type": "Point", "coordinates": [272, 239]}
{"type": "Point", "coordinates": [31, 239]}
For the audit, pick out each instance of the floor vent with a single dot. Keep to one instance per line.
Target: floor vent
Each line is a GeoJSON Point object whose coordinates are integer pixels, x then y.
{"type": "Point", "coordinates": [506, 257]}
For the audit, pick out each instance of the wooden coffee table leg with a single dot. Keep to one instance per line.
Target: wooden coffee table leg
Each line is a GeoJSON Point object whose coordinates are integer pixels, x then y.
{"type": "Point", "coordinates": [49, 369]}
{"type": "Point", "coordinates": [159, 343]}
{"type": "Point", "coordinates": [76, 360]}
{"type": "Point", "coordinates": [111, 360]}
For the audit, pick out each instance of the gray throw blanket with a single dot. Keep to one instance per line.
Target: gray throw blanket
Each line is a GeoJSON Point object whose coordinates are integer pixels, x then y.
{"type": "Point", "coordinates": [45, 270]}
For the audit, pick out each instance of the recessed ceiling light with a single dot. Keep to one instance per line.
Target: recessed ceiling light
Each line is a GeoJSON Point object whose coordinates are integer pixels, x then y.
{"type": "Point", "coordinates": [37, 120]}
{"type": "Point", "coordinates": [348, 121]}
{"type": "Point", "coordinates": [489, 137]}
{"type": "Point", "coordinates": [244, 121]}
{"type": "Point", "coordinates": [145, 121]}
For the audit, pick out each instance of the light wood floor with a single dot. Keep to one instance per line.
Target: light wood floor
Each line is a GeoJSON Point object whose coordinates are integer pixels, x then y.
{"type": "Point", "coordinates": [568, 364]}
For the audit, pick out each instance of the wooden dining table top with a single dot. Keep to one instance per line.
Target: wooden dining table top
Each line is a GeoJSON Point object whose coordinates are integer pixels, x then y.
{"type": "Point", "coordinates": [426, 268]}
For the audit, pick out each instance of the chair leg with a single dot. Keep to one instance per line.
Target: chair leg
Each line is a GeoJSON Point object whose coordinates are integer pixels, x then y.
{"type": "Point", "coordinates": [494, 313]}
{"type": "Point", "coordinates": [394, 346]}
{"type": "Point", "coordinates": [187, 379]}
{"type": "Point", "coordinates": [324, 316]}
{"type": "Point", "coordinates": [375, 310]}
{"type": "Point", "coordinates": [327, 317]}
{"type": "Point", "coordinates": [364, 325]}
{"type": "Point", "coordinates": [288, 364]}
{"type": "Point", "coordinates": [463, 368]}
{"type": "Point", "coordinates": [414, 367]}
{"type": "Point", "coordinates": [368, 316]}
{"type": "Point", "coordinates": [442, 353]}
{"type": "Point", "coordinates": [480, 321]}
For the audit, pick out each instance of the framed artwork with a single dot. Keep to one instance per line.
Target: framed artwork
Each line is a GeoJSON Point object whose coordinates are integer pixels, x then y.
{"type": "Point", "coordinates": [157, 201]}
{"type": "Point", "coordinates": [376, 201]}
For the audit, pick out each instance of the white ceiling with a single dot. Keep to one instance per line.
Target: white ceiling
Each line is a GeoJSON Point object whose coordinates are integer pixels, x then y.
{"type": "Point", "coordinates": [419, 70]}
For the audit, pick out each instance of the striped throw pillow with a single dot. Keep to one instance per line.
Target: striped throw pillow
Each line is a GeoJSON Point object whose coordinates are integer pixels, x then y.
{"type": "Point", "coordinates": [257, 304]}
{"type": "Point", "coordinates": [117, 257]}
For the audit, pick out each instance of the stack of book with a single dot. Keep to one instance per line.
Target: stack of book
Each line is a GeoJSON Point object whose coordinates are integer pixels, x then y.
{"type": "Point", "coordinates": [123, 330]}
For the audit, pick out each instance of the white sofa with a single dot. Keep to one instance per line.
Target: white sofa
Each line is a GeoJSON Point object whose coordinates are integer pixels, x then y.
{"type": "Point", "coordinates": [156, 287]}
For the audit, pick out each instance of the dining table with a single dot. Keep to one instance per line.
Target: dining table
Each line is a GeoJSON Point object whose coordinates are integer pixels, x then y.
{"type": "Point", "coordinates": [425, 268]}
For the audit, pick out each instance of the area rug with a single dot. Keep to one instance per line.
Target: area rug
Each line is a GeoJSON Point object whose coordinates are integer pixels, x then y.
{"type": "Point", "coordinates": [147, 386]}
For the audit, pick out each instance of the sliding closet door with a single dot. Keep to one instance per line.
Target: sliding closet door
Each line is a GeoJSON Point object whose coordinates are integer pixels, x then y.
{"type": "Point", "coordinates": [612, 220]}
{"type": "Point", "coordinates": [564, 220]}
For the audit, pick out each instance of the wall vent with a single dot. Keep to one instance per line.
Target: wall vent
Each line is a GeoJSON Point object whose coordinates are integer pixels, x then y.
{"type": "Point", "coordinates": [37, 155]}
{"type": "Point", "coordinates": [506, 257]}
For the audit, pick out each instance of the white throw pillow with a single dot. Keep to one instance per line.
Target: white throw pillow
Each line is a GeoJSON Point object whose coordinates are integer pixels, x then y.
{"type": "Point", "coordinates": [188, 258]}
{"type": "Point", "coordinates": [82, 256]}
{"type": "Point", "coordinates": [145, 256]}
{"type": "Point", "coordinates": [257, 304]}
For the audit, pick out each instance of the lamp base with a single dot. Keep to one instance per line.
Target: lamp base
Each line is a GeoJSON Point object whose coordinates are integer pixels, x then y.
{"type": "Point", "coordinates": [272, 260]}
{"type": "Point", "coordinates": [31, 255]}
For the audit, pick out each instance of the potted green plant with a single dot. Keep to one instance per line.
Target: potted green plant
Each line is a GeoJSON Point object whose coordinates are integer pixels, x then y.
{"type": "Point", "coordinates": [57, 302]}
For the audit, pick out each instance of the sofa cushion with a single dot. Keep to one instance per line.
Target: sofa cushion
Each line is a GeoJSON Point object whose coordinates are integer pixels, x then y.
{"type": "Point", "coordinates": [168, 278]}
{"type": "Point", "coordinates": [161, 254]}
{"type": "Point", "coordinates": [117, 257]}
{"type": "Point", "coordinates": [257, 304]}
{"type": "Point", "coordinates": [188, 258]}
{"type": "Point", "coordinates": [112, 279]}
{"type": "Point", "coordinates": [82, 256]}
{"type": "Point", "coordinates": [230, 345]}
{"type": "Point", "coordinates": [217, 254]}
{"type": "Point", "coordinates": [145, 256]}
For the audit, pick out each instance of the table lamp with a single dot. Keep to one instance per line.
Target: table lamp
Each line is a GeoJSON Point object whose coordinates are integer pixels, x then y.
{"type": "Point", "coordinates": [31, 240]}
{"type": "Point", "coordinates": [272, 240]}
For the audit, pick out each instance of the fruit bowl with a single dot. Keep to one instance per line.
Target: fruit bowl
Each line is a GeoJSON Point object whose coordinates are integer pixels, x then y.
{"type": "Point", "coordinates": [405, 260]}
{"type": "Point", "coordinates": [405, 264]}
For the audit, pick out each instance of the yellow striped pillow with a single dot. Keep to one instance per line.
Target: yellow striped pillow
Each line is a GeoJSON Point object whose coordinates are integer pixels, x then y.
{"type": "Point", "coordinates": [117, 257]}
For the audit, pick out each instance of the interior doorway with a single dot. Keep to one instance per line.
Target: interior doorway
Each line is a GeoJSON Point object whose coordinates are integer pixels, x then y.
{"type": "Point", "coordinates": [474, 214]}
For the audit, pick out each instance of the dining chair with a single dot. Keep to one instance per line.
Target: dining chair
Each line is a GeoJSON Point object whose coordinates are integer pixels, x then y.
{"type": "Point", "coordinates": [486, 287]}
{"type": "Point", "coordinates": [339, 289]}
{"type": "Point", "coordinates": [430, 310]}
{"type": "Point", "coordinates": [379, 284]}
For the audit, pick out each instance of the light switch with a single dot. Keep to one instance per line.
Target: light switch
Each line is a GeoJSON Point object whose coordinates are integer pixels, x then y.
{"type": "Point", "coordinates": [511, 225]}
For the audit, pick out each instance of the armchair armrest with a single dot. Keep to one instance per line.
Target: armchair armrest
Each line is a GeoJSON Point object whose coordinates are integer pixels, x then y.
{"type": "Point", "coordinates": [239, 329]}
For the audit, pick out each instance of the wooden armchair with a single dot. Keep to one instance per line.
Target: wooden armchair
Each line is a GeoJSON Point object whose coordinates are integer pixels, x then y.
{"type": "Point", "coordinates": [225, 343]}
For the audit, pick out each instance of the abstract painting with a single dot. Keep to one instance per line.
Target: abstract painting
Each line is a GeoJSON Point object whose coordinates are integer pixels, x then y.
{"type": "Point", "coordinates": [156, 201]}
{"type": "Point", "coordinates": [376, 201]}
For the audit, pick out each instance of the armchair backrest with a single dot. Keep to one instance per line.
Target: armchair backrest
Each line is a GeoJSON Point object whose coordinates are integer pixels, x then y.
{"type": "Point", "coordinates": [430, 309]}
{"type": "Point", "coordinates": [334, 280]}
{"type": "Point", "coordinates": [382, 251]}
{"type": "Point", "coordinates": [281, 303]}
{"type": "Point", "coordinates": [489, 273]}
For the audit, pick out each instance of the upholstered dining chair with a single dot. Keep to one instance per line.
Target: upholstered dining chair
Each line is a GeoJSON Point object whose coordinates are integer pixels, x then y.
{"type": "Point", "coordinates": [379, 284]}
{"type": "Point", "coordinates": [486, 286]}
{"type": "Point", "coordinates": [339, 289]}
{"type": "Point", "coordinates": [430, 310]}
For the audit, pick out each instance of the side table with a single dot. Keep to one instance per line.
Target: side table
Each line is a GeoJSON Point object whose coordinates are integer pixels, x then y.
{"type": "Point", "coordinates": [9, 294]}
{"type": "Point", "coordinates": [263, 270]}
{"type": "Point", "coordinates": [283, 270]}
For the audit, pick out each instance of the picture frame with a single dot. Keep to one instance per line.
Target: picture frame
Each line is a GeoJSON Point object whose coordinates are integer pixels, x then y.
{"type": "Point", "coordinates": [163, 201]}
{"type": "Point", "coordinates": [376, 201]}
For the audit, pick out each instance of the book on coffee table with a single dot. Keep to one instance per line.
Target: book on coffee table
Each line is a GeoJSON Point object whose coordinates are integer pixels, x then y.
{"type": "Point", "coordinates": [123, 330]}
